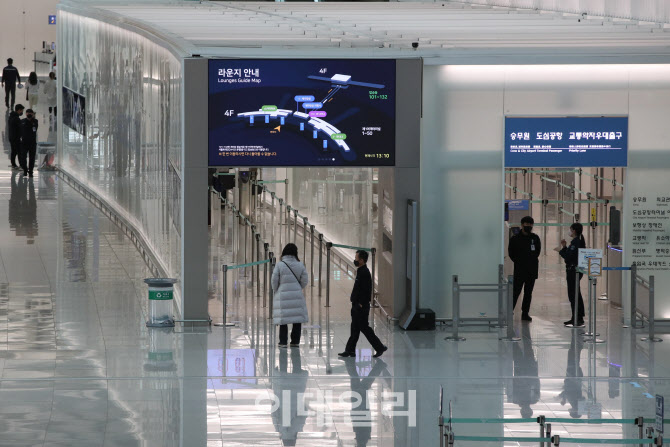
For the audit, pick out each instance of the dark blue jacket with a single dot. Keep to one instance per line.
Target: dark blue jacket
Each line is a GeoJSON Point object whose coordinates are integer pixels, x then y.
{"type": "Point", "coordinates": [571, 253]}
{"type": "Point", "coordinates": [362, 291]}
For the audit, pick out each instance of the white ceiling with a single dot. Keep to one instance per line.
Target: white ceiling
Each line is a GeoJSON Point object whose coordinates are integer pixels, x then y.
{"type": "Point", "coordinates": [447, 32]}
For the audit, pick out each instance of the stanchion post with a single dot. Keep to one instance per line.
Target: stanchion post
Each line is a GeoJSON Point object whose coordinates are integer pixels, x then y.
{"type": "Point", "coordinates": [273, 263]}
{"type": "Point", "coordinates": [224, 298]}
{"type": "Point", "coordinates": [258, 267]}
{"type": "Point", "coordinates": [593, 337]}
{"type": "Point", "coordinates": [329, 246]}
{"type": "Point", "coordinates": [266, 277]}
{"type": "Point", "coordinates": [639, 421]}
{"type": "Point", "coordinates": [652, 317]}
{"type": "Point", "coordinates": [548, 435]}
{"type": "Point", "coordinates": [295, 226]}
{"type": "Point", "coordinates": [575, 310]}
{"type": "Point", "coordinates": [287, 217]}
{"type": "Point", "coordinates": [633, 296]}
{"type": "Point", "coordinates": [304, 239]}
{"type": "Point", "coordinates": [501, 306]}
{"type": "Point", "coordinates": [374, 264]}
{"type": "Point", "coordinates": [320, 259]}
{"type": "Point", "coordinates": [509, 301]}
{"type": "Point", "coordinates": [455, 310]}
{"type": "Point", "coordinates": [281, 228]}
{"type": "Point", "coordinates": [541, 420]}
{"type": "Point", "coordinates": [311, 263]}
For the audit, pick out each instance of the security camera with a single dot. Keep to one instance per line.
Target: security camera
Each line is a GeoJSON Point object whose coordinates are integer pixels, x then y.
{"type": "Point", "coordinates": [415, 45]}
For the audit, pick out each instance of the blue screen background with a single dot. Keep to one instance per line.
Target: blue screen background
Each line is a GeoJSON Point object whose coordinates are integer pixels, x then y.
{"type": "Point", "coordinates": [566, 125]}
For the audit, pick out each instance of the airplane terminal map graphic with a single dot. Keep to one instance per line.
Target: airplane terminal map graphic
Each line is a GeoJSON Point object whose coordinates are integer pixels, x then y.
{"type": "Point", "coordinates": [302, 112]}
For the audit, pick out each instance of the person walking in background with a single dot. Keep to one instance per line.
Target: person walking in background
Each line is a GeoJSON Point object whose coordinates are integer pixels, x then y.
{"type": "Point", "coordinates": [10, 75]}
{"type": "Point", "coordinates": [360, 309]}
{"type": "Point", "coordinates": [288, 304]}
{"type": "Point", "coordinates": [14, 134]}
{"type": "Point", "coordinates": [50, 92]}
{"type": "Point", "coordinates": [32, 90]}
{"type": "Point", "coordinates": [524, 250]}
{"type": "Point", "coordinates": [28, 142]}
{"type": "Point", "coordinates": [571, 256]}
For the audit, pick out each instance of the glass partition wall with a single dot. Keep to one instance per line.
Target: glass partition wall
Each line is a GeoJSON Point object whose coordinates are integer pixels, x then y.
{"type": "Point", "coordinates": [122, 136]}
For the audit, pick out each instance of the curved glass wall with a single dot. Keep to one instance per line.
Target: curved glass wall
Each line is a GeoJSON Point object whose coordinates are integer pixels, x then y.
{"type": "Point", "coordinates": [126, 147]}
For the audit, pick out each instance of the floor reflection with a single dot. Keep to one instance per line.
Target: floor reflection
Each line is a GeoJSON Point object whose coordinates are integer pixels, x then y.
{"type": "Point", "coordinates": [526, 384]}
{"type": "Point", "coordinates": [22, 212]}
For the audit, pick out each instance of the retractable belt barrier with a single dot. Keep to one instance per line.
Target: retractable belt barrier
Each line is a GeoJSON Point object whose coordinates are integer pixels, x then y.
{"type": "Point", "coordinates": [545, 438]}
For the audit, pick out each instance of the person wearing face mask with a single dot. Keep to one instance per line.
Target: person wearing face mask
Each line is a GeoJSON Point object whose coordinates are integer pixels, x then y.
{"type": "Point", "coordinates": [28, 142]}
{"type": "Point", "coordinates": [360, 309]}
{"type": "Point", "coordinates": [524, 250]}
{"type": "Point", "coordinates": [14, 134]}
{"type": "Point", "coordinates": [571, 256]}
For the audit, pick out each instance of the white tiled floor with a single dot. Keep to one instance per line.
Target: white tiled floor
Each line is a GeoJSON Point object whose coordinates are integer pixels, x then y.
{"type": "Point", "coordinates": [78, 367]}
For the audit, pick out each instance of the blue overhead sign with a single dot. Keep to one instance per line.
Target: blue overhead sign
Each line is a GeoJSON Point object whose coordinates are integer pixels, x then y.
{"type": "Point", "coordinates": [518, 205]}
{"type": "Point", "coordinates": [566, 142]}
{"type": "Point", "coordinates": [52, 20]}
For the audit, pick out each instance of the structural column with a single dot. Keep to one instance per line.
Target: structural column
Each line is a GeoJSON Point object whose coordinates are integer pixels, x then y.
{"type": "Point", "coordinates": [194, 235]}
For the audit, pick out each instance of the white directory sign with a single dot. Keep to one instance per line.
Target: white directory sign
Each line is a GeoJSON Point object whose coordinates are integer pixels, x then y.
{"type": "Point", "coordinates": [586, 253]}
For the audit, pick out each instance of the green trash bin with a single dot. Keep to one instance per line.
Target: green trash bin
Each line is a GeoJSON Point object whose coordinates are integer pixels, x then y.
{"type": "Point", "coordinates": [161, 295]}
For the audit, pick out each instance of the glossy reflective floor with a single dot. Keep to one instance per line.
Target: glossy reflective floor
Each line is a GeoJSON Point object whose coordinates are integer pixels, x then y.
{"type": "Point", "coordinates": [78, 367]}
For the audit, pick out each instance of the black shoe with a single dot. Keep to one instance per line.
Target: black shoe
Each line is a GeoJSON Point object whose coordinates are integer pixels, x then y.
{"type": "Point", "coordinates": [580, 324]}
{"type": "Point", "coordinates": [526, 317]}
{"type": "Point", "coordinates": [30, 174]}
{"type": "Point", "coordinates": [567, 323]}
{"type": "Point", "coordinates": [346, 354]}
{"type": "Point", "coordinates": [380, 352]}
{"type": "Point", "coordinates": [25, 172]}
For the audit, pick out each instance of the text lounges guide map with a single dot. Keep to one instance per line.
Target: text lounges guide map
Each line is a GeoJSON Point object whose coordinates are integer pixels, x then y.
{"type": "Point", "coordinates": [326, 112]}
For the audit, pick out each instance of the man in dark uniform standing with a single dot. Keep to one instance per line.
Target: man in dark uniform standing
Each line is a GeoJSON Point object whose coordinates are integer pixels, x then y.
{"type": "Point", "coordinates": [360, 309]}
{"type": "Point", "coordinates": [10, 75]}
{"type": "Point", "coordinates": [524, 250]}
{"type": "Point", "coordinates": [14, 134]}
{"type": "Point", "coordinates": [28, 142]}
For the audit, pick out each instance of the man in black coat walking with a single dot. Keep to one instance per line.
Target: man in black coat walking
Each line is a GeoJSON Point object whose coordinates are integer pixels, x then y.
{"type": "Point", "coordinates": [14, 133]}
{"type": "Point", "coordinates": [10, 75]}
{"type": "Point", "coordinates": [28, 142]}
{"type": "Point", "coordinates": [524, 250]}
{"type": "Point", "coordinates": [360, 309]}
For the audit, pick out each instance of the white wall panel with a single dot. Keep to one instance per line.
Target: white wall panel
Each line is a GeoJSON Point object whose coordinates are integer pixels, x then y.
{"type": "Point", "coordinates": [131, 154]}
{"type": "Point", "coordinates": [462, 158]}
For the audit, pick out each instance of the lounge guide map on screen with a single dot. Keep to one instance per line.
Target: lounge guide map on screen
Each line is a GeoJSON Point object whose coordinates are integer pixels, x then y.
{"type": "Point", "coordinates": [325, 112]}
{"type": "Point", "coordinates": [566, 142]}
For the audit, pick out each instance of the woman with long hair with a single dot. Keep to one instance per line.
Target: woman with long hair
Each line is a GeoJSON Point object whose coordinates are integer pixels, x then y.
{"type": "Point", "coordinates": [571, 256]}
{"type": "Point", "coordinates": [289, 307]}
{"type": "Point", "coordinates": [50, 92]}
{"type": "Point", "coordinates": [32, 90]}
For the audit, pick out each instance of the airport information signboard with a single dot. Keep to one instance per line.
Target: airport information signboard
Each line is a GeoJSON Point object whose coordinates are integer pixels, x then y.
{"type": "Point", "coordinates": [566, 142]}
{"type": "Point", "coordinates": [324, 112]}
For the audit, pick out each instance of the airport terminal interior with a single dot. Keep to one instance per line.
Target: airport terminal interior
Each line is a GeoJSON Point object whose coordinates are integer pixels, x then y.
{"type": "Point", "coordinates": [186, 144]}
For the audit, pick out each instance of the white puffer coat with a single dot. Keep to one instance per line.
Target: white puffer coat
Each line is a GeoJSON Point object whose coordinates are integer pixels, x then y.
{"type": "Point", "coordinates": [288, 305]}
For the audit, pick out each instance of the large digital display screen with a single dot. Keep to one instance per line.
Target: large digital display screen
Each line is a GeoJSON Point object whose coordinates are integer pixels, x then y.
{"type": "Point", "coordinates": [566, 142]}
{"type": "Point", "coordinates": [74, 111]}
{"type": "Point", "coordinates": [325, 112]}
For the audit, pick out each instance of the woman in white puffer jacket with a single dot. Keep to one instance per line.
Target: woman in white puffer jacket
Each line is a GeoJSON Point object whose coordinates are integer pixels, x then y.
{"type": "Point", "coordinates": [288, 305]}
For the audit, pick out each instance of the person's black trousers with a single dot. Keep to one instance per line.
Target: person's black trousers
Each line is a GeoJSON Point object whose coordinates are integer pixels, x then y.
{"type": "Point", "coordinates": [16, 150]}
{"type": "Point", "coordinates": [572, 291]}
{"type": "Point", "coordinates": [10, 89]}
{"type": "Point", "coordinates": [359, 323]}
{"type": "Point", "coordinates": [295, 334]}
{"type": "Point", "coordinates": [526, 282]}
{"type": "Point", "coordinates": [27, 154]}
